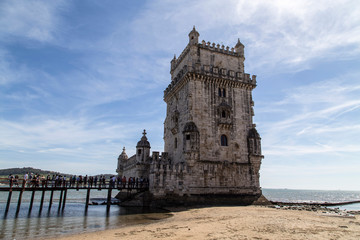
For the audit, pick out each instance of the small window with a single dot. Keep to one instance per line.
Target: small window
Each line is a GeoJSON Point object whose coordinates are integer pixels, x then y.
{"type": "Point", "coordinates": [188, 137]}
{"type": "Point", "coordinates": [139, 151]}
{"type": "Point", "coordinates": [222, 92]}
{"type": "Point", "coordinates": [224, 141]}
{"type": "Point", "coordinates": [175, 143]}
{"type": "Point", "coordinates": [223, 114]}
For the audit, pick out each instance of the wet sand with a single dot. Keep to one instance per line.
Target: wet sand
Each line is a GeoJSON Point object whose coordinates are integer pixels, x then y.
{"type": "Point", "coordinates": [250, 222]}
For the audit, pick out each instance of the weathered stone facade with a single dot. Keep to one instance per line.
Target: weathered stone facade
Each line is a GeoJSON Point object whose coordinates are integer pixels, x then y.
{"type": "Point", "coordinates": [211, 145]}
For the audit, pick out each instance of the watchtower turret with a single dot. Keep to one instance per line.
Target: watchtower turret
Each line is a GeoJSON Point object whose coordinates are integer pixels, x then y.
{"type": "Point", "coordinates": [239, 48]}
{"type": "Point", "coordinates": [142, 149]}
{"type": "Point", "coordinates": [121, 160]}
{"type": "Point", "coordinates": [194, 37]}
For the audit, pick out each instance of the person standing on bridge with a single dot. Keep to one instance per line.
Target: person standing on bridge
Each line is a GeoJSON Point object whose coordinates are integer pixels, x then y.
{"type": "Point", "coordinates": [95, 180]}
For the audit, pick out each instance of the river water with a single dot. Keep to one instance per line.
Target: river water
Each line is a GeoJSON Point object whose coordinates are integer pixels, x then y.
{"type": "Point", "coordinates": [74, 219]}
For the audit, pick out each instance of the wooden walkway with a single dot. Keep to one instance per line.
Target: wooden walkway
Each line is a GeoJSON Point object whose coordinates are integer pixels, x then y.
{"type": "Point", "coordinates": [22, 186]}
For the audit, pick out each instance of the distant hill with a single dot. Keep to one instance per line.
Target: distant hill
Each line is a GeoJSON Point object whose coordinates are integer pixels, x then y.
{"type": "Point", "coordinates": [22, 171]}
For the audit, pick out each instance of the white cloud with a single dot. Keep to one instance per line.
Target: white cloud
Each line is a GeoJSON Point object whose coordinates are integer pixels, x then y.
{"type": "Point", "coordinates": [36, 20]}
{"type": "Point", "coordinates": [318, 118]}
{"type": "Point", "coordinates": [290, 33]}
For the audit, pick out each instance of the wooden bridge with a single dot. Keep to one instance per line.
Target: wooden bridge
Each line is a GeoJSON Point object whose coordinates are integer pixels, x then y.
{"type": "Point", "coordinates": [20, 185]}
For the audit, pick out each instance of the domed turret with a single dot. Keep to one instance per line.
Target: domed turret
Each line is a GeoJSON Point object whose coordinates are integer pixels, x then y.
{"type": "Point", "coordinates": [121, 159]}
{"type": "Point", "coordinates": [123, 156]}
{"type": "Point", "coordinates": [194, 37]}
{"type": "Point", "coordinates": [143, 141]}
{"type": "Point", "coordinates": [239, 48]}
{"type": "Point", "coordinates": [143, 149]}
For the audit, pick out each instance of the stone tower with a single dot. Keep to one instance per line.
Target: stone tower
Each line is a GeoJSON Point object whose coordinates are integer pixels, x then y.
{"type": "Point", "coordinates": [212, 149]}
{"type": "Point", "coordinates": [209, 121]}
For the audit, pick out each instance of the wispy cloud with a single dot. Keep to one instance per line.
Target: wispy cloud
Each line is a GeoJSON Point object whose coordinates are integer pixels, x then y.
{"type": "Point", "coordinates": [275, 32]}
{"type": "Point", "coordinates": [323, 119]}
{"type": "Point", "coordinates": [36, 20]}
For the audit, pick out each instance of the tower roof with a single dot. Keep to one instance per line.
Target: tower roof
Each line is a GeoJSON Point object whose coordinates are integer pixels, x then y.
{"type": "Point", "coordinates": [143, 141]}
{"type": "Point", "coordinates": [193, 31]}
{"type": "Point", "coordinates": [239, 44]}
{"type": "Point", "coordinates": [123, 155]}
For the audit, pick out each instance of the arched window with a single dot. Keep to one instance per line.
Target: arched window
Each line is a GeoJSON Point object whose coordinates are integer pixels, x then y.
{"type": "Point", "coordinates": [223, 114]}
{"type": "Point", "coordinates": [224, 141]}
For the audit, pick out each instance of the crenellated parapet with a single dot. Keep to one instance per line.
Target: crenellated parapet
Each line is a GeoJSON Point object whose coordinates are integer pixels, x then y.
{"type": "Point", "coordinates": [221, 75]}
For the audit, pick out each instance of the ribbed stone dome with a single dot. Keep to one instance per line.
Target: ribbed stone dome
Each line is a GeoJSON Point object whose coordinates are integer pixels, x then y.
{"type": "Point", "coordinates": [143, 141]}
{"type": "Point", "coordinates": [123, 155]}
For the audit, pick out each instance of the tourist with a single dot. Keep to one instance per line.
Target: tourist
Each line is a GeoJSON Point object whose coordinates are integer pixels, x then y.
{"type": "Point", "coordinates": [95, 180]}
{"type": "Point", "coordinates": [26, 177]}
{"type": "Point", "coordinates": [11, 179]}
{"type": "Point", "coordinates": [123, 181]}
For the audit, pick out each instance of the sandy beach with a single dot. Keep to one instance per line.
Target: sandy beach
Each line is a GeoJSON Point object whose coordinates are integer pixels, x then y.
{"type": "Point", "coordinates": [249, 222]}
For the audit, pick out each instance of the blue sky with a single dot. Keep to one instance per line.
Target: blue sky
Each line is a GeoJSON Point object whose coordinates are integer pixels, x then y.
{"type": "Point", "coordinates": [81, 79]}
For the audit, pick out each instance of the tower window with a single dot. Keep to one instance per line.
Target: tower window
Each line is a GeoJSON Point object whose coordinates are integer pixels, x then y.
{"type": "Point", "coordinates": [224, 141]}
{"type": "Point", "coordinates": [223, 114]}
{"type": "Point", "coordinates": [188, 137]}
{"type": "Point", "coordinates": [139, 151]}
{"type": "Point", "coordinates": [222, 92]}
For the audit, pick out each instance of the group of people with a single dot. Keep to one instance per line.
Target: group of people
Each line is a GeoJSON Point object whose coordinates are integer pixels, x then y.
{"type": "Point", "coordinates": [56, 180]}
{"type": "Point", "coordinates": [131, 182]}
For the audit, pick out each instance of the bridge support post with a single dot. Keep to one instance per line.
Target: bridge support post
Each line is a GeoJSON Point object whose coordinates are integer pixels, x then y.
{"type": "Point", "coordinates": [61, 195]}
{"type": "Point", "coordinates": [42, 200]}
{"type": "Point", "coordinates": [64, 201]}
{"type": "Point", "coordinates": [31, 200]}
{"type": "Point", "coordinates": [8, 202]}
{"type": "Point", "coordinates": [87, 199]}
{"type": "Point", "coordinates": [51, 199]}
{"type": "Point", "coordinates": [19, 202]}
{"type": "Point", "coordinates": [108, 203]}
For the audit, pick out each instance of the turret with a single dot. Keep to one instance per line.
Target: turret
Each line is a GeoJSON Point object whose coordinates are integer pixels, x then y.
{"type": "Point", "coordinates": [121, 160]}
{"type": "Point", "coordinates": [142, 149]}
{"type": "Point", "coordinates": [239, 48]}
{"type": "Point", "coordinates": [194, 37]}
{"type": "Point", "coordinates": [173, 62]}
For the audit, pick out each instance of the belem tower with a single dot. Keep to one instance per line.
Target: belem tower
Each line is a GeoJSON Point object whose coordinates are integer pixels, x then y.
{"type": "Point", "coordinates": [212, 148]}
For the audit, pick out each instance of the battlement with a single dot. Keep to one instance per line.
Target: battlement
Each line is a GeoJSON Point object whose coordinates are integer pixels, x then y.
{"type": "Point", "coordinates": [214, 72]}
{"type": "Point", "coordinates": [213, 47]}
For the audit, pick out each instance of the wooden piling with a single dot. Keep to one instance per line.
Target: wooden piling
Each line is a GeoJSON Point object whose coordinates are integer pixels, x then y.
{"type": "Point", "coordinates": [19, 202]}
{"type": "Point", "coordinates": [64, 201]}
{"type": "Point", "coordinates": [42, 200]}
{"type": "Point", "coordinates": [61, 195]}
{"type": "Point", "coordinates": [32, 200]}
{"type": "Point", "coordinates": [87, 199]}
{"type": "Point", "coordinates": [51, 199]}
{"type": "Point", "coordinates": [8, 202]}
{"type": "Point", "coordinates": [108, 200]}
